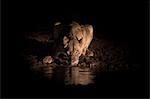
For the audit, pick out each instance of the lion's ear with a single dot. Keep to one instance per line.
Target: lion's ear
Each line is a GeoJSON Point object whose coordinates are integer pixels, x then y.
{"type": "Point", "coordinates": [74, 23]}
{"type": "Point", "coordinates": [90, 27]}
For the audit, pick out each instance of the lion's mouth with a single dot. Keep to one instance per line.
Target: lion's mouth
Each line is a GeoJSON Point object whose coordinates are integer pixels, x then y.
{"type": "Point", "coordinates": [74, 61]}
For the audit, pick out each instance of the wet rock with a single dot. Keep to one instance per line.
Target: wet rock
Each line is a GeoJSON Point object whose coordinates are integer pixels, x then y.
{"type": "Point", "coordinates": [43, 38]}
{"type": "Point", "coordinates": [62, 59]}
{"type": "Point", "coordinates": [47, 60]}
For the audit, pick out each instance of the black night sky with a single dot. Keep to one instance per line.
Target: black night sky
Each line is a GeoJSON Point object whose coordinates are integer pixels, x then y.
{"type": "Point", "coordinates": [121, 21]}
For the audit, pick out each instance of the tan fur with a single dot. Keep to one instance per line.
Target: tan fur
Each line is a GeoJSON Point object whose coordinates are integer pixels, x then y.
{"type": "Point", "coordinates": [87, 38]}
{"type": "Point", "coordinates": [76, 31]}
{"type": "Point", "coordinates": [81, 37]}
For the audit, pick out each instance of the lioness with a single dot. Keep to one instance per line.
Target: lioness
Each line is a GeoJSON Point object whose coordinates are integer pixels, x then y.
{"type": "Point", "coordinates": [79, 41]}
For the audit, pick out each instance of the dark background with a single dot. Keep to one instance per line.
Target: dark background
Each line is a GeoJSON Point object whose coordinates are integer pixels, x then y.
{"type": "Point", "coordinates": [120, 20]}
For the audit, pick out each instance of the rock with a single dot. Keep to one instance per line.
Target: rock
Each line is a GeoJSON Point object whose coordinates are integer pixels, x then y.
{"type": "Point", "coordinates": [57, 23]}
{"type": "Point", "coordinates": [47, 60]}
{"type": "Point", "coordinates": [61, 59]}
{"type": "Point", "coordinates": [57, 29]}
{"type": "Point", "coordinates": [43, 38]}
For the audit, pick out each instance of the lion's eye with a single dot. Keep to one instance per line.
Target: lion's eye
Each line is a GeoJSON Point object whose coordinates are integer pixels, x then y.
{"type": "Point", "coordinates": [80, 40]}
{"type": "Point", "coordinates": [75, 52]}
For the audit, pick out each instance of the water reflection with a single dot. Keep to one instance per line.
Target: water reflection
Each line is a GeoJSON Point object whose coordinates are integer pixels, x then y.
{"type": "Point", "coordinates": [76, 75]}
{"type": "Point", "coordinates": [69, 75]}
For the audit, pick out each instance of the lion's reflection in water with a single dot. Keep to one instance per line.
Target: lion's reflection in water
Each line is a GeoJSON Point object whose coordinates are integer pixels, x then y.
{"type": "Point", "coordinates": [75, 75]}
{"type": "Point", "coordinates": [69, 75]}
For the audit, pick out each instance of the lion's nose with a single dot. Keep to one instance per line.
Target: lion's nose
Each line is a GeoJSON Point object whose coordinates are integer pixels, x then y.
{"type": "Point", "coordinates": [74, 61]}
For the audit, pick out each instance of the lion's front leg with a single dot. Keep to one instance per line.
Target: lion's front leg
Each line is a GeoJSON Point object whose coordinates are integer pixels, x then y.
{"type": "Point", "coordinates": [65, 41]}
{"type": "Point", "coordinates": [84, 51]}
